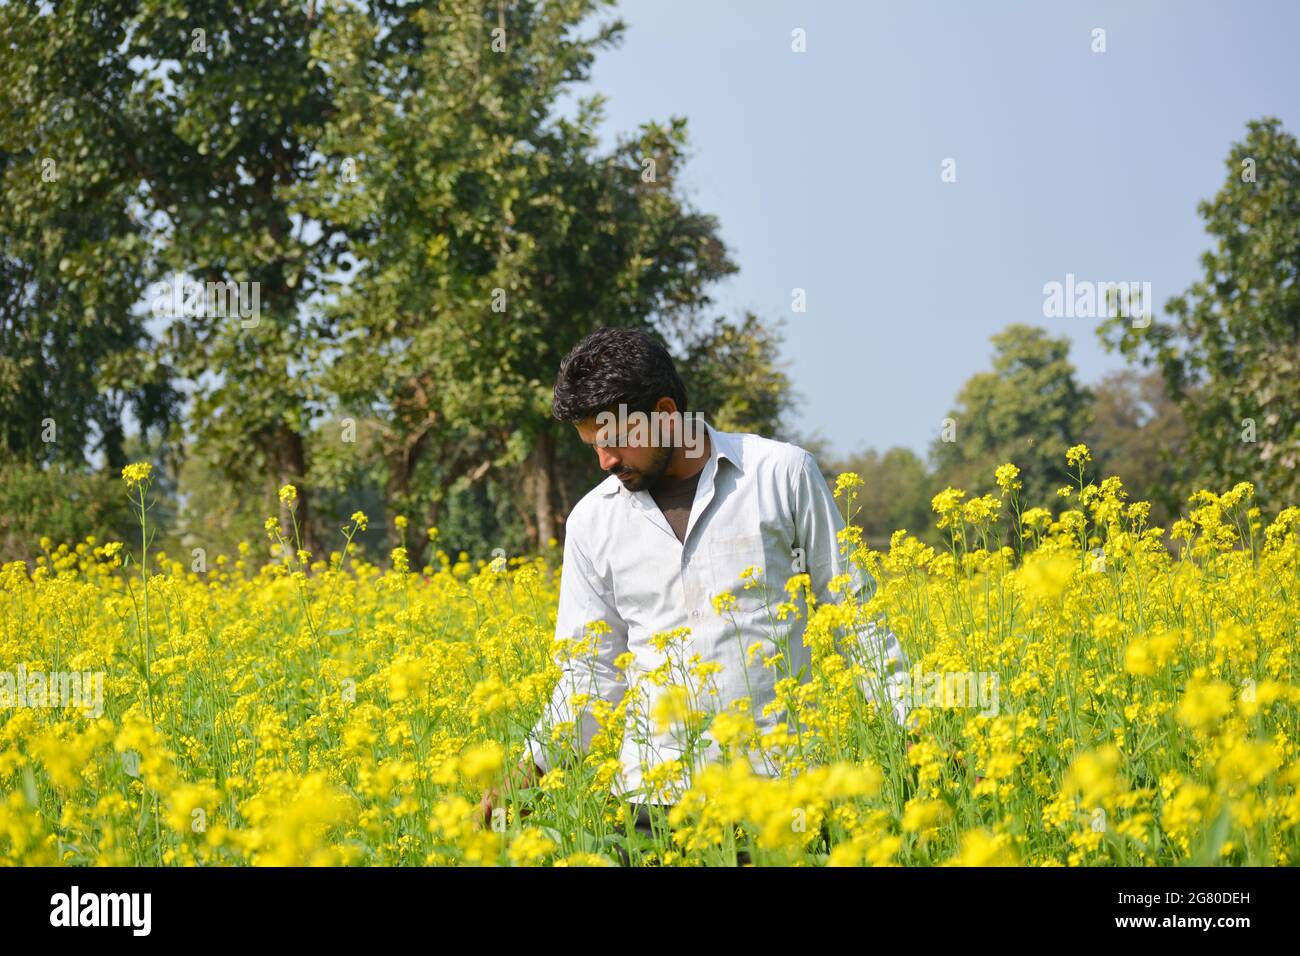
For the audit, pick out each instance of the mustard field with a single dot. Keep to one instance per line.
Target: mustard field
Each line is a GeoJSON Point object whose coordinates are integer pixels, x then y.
{"type": "Point", "coordinates": [1080, 695]}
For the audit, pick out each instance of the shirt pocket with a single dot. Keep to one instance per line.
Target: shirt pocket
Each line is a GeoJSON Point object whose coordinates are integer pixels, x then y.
{"type": "Point", "coordinates": [731, 556]}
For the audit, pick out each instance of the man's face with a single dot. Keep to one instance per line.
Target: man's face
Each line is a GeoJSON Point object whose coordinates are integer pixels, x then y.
{"type": "Point", "coordinates": [638, 467]}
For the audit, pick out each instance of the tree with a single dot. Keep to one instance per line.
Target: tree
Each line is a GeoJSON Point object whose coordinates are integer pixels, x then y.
{"type": "Point", "coordinates": [1029, 410]}
{"type": "Point", "coordinates": [733, 375]}
{"type": "Point", "coordinates": [1229, 350]}
{"type": "Point", "coordinates": [215, 120]}
{"type": "Point", "coordinates": [510, 237]}
{"type": "Point", "coordinates": [75, 358]}
{"type": "Point", "coordinates": [424, 232]}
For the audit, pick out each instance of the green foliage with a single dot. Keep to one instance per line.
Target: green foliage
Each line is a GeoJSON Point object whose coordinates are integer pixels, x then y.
{"type": "Point", "coordinates": [58, 503]}
{"type": "Point", "coordinates": [1229, 350]}
{"type": "Point", "coordinates": [491, 235]}
{"type": "Point", "coordinates": [426, 235]}
{"type": "Point", "coordinates": [74, 254]}
{"type": "Point", "coordinates": [214, 122]}
{"type": "Point", "coordinates": [732, 375]}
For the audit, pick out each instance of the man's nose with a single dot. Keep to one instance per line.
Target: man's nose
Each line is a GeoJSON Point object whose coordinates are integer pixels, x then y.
{"type": "Point", "coordinates": [607, 461]}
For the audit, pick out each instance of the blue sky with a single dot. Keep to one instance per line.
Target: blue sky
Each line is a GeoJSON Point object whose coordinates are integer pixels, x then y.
{"type": "Point", "coordinates": [824, 170]}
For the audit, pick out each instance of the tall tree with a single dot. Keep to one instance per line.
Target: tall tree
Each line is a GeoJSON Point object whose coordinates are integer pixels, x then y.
{"type": "Point", "coordinates": [74, 255]}
{"type": "Point", "coordinates": [509, 236]}
{"type": "Point", "coordinates": [1028, 410]}
{"type": "Point", "coordinates": [214, 116]}
{"type": "Point", "coordinates": [1229, 349]}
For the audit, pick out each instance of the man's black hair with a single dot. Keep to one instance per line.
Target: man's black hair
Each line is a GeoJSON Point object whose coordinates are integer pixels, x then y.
{"type": "Point", "coordinates": [614, 366]}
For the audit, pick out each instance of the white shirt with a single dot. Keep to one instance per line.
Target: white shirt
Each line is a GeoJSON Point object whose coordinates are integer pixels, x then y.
{"type": "Point", "coordinates": [757, 501]}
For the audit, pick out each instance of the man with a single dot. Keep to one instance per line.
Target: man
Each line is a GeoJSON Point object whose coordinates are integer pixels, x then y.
{"type": "Point", "coordinates": [684, 513]}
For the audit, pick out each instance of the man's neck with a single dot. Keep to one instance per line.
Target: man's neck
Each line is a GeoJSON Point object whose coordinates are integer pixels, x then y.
{"type": "Point", "coordinates": [683, 466]}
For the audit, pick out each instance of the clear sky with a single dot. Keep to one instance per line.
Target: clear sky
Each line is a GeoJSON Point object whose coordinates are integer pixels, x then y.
{"type": "Point", "coordinates": [824, 169]}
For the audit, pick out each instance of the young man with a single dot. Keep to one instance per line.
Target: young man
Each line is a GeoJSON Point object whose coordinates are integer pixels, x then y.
{"type": "Point", "coordinates": [686, 509]}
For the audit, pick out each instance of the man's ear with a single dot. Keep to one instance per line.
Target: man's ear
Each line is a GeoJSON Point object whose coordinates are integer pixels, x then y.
{"type": "Point", "coordinates": [668, 407]}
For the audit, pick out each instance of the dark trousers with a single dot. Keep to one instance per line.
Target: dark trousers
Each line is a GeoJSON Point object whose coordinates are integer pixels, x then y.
{"type": "Point", "coordinates": [654, 816]}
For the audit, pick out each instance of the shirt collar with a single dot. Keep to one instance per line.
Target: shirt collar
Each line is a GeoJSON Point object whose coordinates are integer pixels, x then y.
{"type": "Point", "coordinates": [721, 445]}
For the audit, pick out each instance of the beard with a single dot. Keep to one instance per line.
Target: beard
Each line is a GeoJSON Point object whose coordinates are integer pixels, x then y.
{"type": "Point", "coordinates": [634, 480]}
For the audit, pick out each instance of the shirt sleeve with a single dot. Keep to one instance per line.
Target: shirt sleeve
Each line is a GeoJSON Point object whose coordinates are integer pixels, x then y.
{"type": "Point", "coordinates": [873, 645]}
{"type": "Point", "coordinates": [584, 598]}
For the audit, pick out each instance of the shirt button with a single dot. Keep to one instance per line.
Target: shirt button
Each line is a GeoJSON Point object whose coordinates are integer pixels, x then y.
{"type": "Point", "coordinates": [695, 614]}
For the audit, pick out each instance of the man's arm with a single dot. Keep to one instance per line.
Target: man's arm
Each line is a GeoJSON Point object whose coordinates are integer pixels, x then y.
{"type": "Point", "coordinates": [584, 598]}
{"type": "Point", "coordinates": [818, 522]}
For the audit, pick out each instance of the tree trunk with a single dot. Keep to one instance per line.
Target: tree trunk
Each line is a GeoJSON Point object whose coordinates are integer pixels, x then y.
{"type": "Point", "coordinates": [290, 458]}
{"type": "Point", "coordinates": [539, 484]}
{"type": "Point", "coordinates": [398, 484]}
{"type": "Point", "coordinates": [431, 521]}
